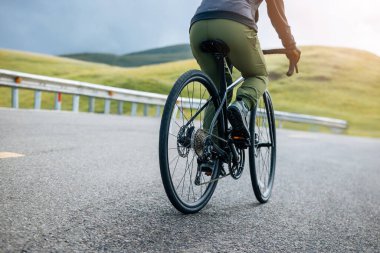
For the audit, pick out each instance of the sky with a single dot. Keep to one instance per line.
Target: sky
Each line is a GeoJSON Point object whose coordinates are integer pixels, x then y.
{"type": "Point", "coordinates": [123, 26]}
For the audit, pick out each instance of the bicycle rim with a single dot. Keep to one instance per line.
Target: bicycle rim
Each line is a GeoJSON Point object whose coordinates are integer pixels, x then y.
{"type": "Point", "coordinates": [262, 154]}
{"type": "Point", "coordinates": [178, 158]}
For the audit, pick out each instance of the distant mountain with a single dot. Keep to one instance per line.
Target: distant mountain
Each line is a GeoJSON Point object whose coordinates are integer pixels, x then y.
{"type": "Point", "coordinates": [147, 57]}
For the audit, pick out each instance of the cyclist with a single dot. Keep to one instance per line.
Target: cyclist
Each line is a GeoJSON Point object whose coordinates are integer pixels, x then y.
{"type": "Point", "coordinates": [234, 22]}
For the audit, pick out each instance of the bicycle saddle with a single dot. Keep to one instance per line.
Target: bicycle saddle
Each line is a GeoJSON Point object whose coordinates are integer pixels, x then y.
{"type": "Point", "coordinates": [215, 47]}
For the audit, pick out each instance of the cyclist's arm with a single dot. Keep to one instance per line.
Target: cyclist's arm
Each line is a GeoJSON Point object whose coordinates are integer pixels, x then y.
{"type": "Point", "coordinates": [276, 13]}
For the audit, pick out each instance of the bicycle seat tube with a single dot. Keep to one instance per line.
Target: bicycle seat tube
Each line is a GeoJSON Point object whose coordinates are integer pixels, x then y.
{"type": "Point", "coordinates": [219, 58]}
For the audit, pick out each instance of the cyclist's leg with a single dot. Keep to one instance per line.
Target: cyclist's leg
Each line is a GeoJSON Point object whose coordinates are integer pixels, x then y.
{"type": "Point", "coordinates": [253, 68]}
{"type": "Point", "coordinates": [245, 55]}
{"type": "Point", "coordinates": [198, 34]}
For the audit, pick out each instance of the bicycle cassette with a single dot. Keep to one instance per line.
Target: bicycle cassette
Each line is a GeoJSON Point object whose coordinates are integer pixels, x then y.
{"type": "Point", "coordinates": [198, 141]}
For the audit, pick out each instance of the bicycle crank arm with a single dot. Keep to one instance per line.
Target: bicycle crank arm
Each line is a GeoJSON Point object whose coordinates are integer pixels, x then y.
{"type": "Point", "coordinates": [214, 180]}
{"type": "Point", "coordinates": [267, 145]}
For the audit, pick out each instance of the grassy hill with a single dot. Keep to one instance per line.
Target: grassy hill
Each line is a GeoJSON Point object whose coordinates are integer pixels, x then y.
{"type": "Point", "coordinates": [334, 82]}
{"type": "Point", "coordinates": [147, 57]}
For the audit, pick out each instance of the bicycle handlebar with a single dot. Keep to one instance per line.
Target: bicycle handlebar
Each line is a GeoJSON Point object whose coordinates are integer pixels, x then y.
{"type": "Point", "coordinates": [292, 66]}
{"type": "Point", "coordinates": [275, 51]}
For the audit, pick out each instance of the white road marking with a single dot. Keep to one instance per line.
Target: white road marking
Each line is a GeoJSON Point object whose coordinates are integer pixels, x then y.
{"type": "Point", "coordinates": [4, 155]}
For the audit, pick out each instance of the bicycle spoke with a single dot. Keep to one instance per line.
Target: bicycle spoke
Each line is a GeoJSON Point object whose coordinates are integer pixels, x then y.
{"type": "Point", "coordinates": [182, 113]}
{"type": "Point", "coordinates": [192, 100]}
{"type": "Point", "coordinates": [191, 175]}
{"type": "Point", "coordinates": [188, 95]}
{"type": "Point", "coordinates": [264, 170]}
{"type": "Point", "coordinates": [175, 167]}
{"type": "Point", "coordinates": [177, 156]}
{"type": "Point", "coordinates": [183, 177]}
{"type": "Point", "coordinates": [177, 124]}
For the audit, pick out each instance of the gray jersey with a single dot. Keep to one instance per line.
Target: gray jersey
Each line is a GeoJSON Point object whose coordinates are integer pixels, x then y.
{"type": "Point", "coordinates": [246, 9]}
{"type": "Point", "coordinates": [245, 12]}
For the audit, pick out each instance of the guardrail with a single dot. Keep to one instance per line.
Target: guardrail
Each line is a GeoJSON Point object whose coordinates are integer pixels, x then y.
{"type": "Point", "coordinates": [17, 80]}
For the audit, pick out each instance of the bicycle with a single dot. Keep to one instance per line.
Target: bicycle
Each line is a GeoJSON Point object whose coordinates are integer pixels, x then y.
{"type": "Point", "coordinates": [193, 159]}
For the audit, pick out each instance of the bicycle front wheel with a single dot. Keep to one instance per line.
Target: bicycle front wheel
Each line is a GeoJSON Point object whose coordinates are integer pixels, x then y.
{"type": "Point", "coordinates": [262, 153]}
{"type": "Point", "coordinates": [188, 189]}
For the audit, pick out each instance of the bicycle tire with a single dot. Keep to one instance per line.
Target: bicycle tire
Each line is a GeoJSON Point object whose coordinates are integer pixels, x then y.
{"type": "Point", "coordinates": [167, 174]}
{"type": "Point", "coordinates": [262, 140]}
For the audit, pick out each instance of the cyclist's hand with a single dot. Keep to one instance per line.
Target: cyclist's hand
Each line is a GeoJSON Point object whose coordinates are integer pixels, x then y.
{"type": "Point", "coordinates": [294, 56]}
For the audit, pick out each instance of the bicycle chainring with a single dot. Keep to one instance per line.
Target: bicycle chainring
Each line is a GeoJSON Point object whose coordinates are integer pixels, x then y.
{"type": "Point", "coordinates": [238, 167]}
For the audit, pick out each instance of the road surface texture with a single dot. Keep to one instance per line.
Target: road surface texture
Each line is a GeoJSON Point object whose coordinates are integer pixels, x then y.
{"type": "Point", "coordinates": [91, 182]}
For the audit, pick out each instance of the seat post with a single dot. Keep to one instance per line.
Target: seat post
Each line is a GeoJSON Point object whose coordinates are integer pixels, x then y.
{"type": "Point", "coordinates": [219, 49]}
{"type": "Point", "coordinates": [219, 58]}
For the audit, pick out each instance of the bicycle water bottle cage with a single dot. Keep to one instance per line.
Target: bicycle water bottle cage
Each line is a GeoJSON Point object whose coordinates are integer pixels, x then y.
{"type": "Point", "coordinates": [215, 47]}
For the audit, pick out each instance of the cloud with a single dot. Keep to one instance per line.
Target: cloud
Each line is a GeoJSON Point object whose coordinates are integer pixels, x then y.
{"type": "Point", "coordinates": [121, 26]}
{"type": "Point", "coordinates": [116, 26]}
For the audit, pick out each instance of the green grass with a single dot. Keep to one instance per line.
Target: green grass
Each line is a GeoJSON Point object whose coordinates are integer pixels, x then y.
{"type": "Point", "coordinates": [334, 82]}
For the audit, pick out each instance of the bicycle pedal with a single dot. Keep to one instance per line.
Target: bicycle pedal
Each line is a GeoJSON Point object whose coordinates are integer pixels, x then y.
{"type": "Point", "coordinates": [238, 138]}
{"type": "Point", "coordinates": [207, 168]}
{"type": "Point", "coordinates": [241, 142]}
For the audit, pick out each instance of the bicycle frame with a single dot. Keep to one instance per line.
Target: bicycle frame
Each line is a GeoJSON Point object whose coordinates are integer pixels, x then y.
{"type": "Point", "coordinates": [234, 84]}
{"type": "Point", "coordinates": [224, 90]}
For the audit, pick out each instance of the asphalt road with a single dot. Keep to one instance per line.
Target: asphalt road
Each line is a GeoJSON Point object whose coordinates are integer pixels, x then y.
{"type": "Point", "coordinates": [91, 183]}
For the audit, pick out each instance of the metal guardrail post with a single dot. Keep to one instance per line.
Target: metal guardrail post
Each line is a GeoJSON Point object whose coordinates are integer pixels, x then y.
{"type": "Point", "coordinates": [58, 101]}
{"type": "Point", "coordinates": [14, 97]}
{"type": "Point", "coordinates": [120, 107]}
{"type": "Point", "coordinates": [158, 111]}
{"type": "Point", "coordinates": [37, 99]}
{"type": "Point", "coordinates": [91, 104]}
{"type": "Point", "coordinates": [146, 107]}
{"type": "Point", "coordinates": [76, 103]}
{"type": "Point", "coordinates": [134, 109]}
{"type": "Point", "coordinates": [107, 106]}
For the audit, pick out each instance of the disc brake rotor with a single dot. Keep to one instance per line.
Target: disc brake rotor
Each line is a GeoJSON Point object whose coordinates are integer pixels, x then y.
{"type": "Point", "coordinates": [184, 141]}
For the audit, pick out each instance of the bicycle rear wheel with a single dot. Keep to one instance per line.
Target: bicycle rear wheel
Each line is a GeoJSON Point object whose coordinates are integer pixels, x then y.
{"type": "Point", "coordinates": [262, 153]}
{"type": "Point", "coordinates": [181, 124]}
